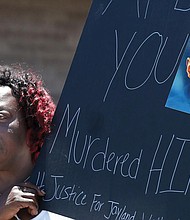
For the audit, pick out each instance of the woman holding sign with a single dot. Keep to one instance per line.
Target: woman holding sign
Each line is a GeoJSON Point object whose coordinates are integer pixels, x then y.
{"type": "Point", "coordinates": [26, 112]}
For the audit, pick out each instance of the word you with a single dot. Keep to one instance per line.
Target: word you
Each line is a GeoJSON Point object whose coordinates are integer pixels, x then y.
{"type": "Point", "coordinates": [159, 46]}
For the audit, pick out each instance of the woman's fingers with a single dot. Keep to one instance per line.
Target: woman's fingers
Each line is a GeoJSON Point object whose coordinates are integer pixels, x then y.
{"type": "Point", "coordinates": [29, 187]}
{"type": "Point", "coordinates": [24, 195]}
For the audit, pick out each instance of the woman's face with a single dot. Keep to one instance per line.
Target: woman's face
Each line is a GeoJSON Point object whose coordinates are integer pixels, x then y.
{"type": "Point", "coordinates": [13, 145]}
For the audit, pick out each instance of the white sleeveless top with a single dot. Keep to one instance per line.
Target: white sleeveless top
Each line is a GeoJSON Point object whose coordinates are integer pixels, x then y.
{"type": "Point", "coordinates": [46, 215]}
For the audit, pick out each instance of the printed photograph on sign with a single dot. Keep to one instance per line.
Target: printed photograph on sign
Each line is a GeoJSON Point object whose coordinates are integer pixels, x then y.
{"type": "Point", "coordinates": [179, 96]}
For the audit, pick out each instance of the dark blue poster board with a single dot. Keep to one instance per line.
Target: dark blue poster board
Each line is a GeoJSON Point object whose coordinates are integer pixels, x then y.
{"type": "Point", "coordinates": [120, 148]}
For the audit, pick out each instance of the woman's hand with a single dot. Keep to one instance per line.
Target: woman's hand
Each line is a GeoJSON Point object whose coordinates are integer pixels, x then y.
{"type": "Point", "coordinates": [23, 196]}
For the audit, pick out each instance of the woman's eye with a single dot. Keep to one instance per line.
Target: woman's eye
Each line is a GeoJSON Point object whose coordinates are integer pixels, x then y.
{"type": "Point", "coordinates": [4, 115]}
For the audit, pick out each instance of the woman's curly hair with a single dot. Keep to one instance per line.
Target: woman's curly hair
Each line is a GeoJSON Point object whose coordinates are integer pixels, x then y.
{"type": "Point", "coordinates": [34, 101]}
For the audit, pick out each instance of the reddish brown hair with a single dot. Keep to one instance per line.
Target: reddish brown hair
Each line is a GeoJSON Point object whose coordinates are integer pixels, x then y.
{"type": "Point", "coordinates": [34, 100]}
